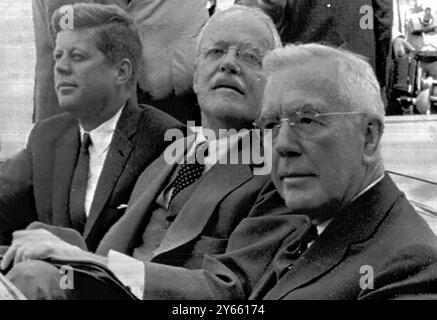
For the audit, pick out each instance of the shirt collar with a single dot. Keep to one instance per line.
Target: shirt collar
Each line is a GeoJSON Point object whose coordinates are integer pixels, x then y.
{"type": "Point", "coordinates": [367, 188]}
{"type": "Point", "coordinates": [222, 146]}
{"type": "Point", "coordinates": [321, 227]}
{"type": "Point", "coordinates": [102, 135]}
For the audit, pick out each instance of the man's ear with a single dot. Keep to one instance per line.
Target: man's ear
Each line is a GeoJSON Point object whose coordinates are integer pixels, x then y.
{"type": "Point", "coordinates": [195, 76]}
{"type": "Point", "coordinates": [373, 133]}
{"type": "Point", "coordinates": [124, 69]}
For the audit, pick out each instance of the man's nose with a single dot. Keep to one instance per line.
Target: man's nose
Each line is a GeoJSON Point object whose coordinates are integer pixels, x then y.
{"type": "Point", "coordinates": [62, 66]}
{"type": "Point", "coordinates": [230, 63]}
{"type": "Point", "coordinates": [286, 142]}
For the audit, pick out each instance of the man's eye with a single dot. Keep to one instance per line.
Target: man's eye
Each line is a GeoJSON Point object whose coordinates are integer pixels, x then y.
{"type": "Point", "coordinates": [251, 58]}
{"type": "Point", "coordinates": [215, 53]}
{"type": "Point", "coordinates": [77, 57]}
{"type": "Point", "coordinates": [308, 120]}
{"type": "Point", "coordinates": [270, 125]}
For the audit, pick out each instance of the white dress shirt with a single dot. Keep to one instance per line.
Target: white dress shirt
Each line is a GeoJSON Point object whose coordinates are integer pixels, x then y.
{"type": "Point", "coordinates": [101, 138]}
{"type": "Point", "coordinates": [217, 153]}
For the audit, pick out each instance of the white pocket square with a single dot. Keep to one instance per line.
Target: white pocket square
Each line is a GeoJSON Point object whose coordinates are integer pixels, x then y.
{"type": "Point", "coordinates": [122, 206]}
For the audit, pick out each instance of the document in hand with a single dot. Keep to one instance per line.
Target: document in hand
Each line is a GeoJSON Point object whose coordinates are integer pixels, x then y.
{"type": "Point", "coordinates": [94, 270]}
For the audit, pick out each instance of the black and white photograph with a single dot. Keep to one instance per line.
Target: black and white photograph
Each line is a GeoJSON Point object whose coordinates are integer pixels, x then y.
{"type": "Point", "coordinates": [218, 150]}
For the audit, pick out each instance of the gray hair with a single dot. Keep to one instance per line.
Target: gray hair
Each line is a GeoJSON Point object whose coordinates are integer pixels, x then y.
{"type": "Point", "coordinates": [358, 87]}
{"type": "Point", "coordinates": [245, 10]}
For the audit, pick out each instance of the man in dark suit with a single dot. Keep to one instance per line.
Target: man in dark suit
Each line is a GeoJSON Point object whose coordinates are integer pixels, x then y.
{"type": "Point", "coordinates": [173, 223]}
{"type": "Point", "coordinates": [95, 72]}
{"type": "Point", "coordinates": [167, 29]}
{"type": "Point", "coordinates": [367, 241]}
{"type": "Point", "coordinates": [362, 26]}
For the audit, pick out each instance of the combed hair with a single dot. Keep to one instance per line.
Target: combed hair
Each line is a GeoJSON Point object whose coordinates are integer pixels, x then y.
{"type": "Point", "coordinates": [357, 84]}
{"type": "Point", "coordinates": [246, 10]}
{"type": "Point", "coordinates": [116, 34]}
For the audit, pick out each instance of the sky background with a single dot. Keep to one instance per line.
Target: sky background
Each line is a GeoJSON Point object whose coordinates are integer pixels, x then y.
{"type": "Point", "coordinates": [17, 64]}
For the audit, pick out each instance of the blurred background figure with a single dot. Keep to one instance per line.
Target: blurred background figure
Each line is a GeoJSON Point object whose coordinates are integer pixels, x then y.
{"type": "Point", "coordinates": [168, 29]}
{"type": "Point", "coordinates": [339, 23]}
{"type": "Point", "coordinates": [413, 75]}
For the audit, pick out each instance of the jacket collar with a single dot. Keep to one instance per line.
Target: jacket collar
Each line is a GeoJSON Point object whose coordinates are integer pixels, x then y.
{"type": "Point", "coordinates": [354, 224]}
{"type": "Point", "coordinates": [119, 151]}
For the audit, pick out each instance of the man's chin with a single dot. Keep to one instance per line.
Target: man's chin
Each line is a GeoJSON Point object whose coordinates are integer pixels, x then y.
{"type": "Point", "coordinates": [318, 210]}
{"type": "Point", "coordinates": [67, 106]}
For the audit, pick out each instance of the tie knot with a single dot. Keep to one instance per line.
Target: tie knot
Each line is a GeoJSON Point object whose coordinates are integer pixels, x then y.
{"type": "Point", "coordinates": [86, 141]}
{"type": "Point", "coordinates": [199, 154]}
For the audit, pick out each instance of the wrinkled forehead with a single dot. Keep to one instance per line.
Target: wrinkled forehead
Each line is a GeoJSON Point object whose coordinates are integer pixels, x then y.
{"type": "Point", "coordinates": [238, 28]}
{"type": "Point", "coordinates": [306, 87]}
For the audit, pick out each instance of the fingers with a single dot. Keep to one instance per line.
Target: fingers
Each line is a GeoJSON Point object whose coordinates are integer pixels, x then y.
{"type": "Point", "coordinates": [20, 255]}
{"type": "Point", "coordinates": [26, 244]}
{"type": "Point", "coordinates": [9, 256]}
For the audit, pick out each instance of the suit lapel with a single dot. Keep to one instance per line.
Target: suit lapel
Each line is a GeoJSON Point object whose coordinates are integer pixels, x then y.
{"type": "Point", "coordinates": [66, 152]}
{"type": "Point", "coordinates": [355, 224]}
{"type": "Point", "coordinates": [191, 220]}
{"type": "Point", "coordinates": [118, 154]}
{"type": "Point", "coordinates": [122, 235]}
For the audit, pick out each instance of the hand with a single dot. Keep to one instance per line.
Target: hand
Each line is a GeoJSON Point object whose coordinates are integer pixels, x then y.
{"type": "Point", "coordinates": [37, 244]}
{"type": "Point", "coordinates": [401, 47]}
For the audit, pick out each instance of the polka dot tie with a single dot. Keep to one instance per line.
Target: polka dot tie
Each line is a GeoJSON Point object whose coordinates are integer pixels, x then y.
{"type": "Point", "coordinates": [188, 173]}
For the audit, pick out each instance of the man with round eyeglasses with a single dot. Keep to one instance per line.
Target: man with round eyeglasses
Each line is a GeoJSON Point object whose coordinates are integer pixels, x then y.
{"type": "Point", "coordinates": [306, 123]}
{"type": "Point", "coordinates": [181, 215]}
{"type": "Point", "coordinates": [322, 107]}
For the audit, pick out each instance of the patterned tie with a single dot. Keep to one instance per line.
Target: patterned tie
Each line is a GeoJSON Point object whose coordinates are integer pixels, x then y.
{"type": "Point", "coordinates": [287, 255]}
{"type": "Point", "coordinates": [189, 172]}
{"type": "Point", "coordinates": [79, 186]}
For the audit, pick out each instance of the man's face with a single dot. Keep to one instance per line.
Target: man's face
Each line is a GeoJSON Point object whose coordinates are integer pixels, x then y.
{"type": "Point", "coordinates": [228, 79]}
{"type": "Point", "coordinates": [84, 79]}
{"type": "Point", "coordinates": [318, 163]}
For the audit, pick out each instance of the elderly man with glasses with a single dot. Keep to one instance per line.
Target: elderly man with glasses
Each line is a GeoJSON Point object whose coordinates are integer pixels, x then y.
{"type": "Point", "coordinates": [181, 211]}
{"type": "Point", "coordinates": [365, 241]}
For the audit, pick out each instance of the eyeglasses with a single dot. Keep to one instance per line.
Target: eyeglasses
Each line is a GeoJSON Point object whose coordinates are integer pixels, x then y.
{"type": "Point", "coordinates": [306, 123]}
{"type": "Point", "coordinates": [248, 55]}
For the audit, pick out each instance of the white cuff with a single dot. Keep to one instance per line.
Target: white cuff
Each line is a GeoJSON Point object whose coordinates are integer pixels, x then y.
{"type": "Point", "coordinates": [128, 270]}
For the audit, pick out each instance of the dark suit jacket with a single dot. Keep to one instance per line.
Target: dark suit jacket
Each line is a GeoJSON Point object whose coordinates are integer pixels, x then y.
{"type": "Point", "coordinates": [35, 185]}
{"type": "Point", "coordinates": [379, 233]}
{"type": "Point", "coordinates": [221, 200]}
{"type": "Point", "coordinates": [337, 22]}
{"type": "Point", "coordinates": [380, 230]}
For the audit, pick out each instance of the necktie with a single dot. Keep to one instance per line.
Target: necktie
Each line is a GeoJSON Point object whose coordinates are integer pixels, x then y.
{"type": "Point", "coordinates": [189, 172]}
{"type": "Point", "coordinates": [79, 186]}
{"type": "Point", "coordinates": [292, 251]}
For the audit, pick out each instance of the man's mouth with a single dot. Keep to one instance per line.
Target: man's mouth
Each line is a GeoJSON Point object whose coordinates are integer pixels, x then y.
{"type": "Point", "coordinates": [229, 84]}
{"type": "Point", "coordinates": [291, 176]}
{"type": "Point", "coordinates": [65, 84]}
{"type": "Point", "coordinates": [230, 88]}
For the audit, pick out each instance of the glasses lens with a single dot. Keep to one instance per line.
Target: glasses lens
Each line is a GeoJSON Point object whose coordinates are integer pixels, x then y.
{"type": "Point", "coordinates": [268, 121]}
